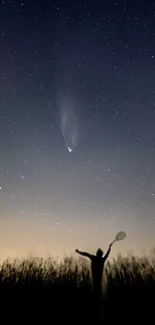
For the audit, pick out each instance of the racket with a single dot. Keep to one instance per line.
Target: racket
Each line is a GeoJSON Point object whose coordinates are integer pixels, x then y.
{"type": "Point", "coordinates": [120, 236]}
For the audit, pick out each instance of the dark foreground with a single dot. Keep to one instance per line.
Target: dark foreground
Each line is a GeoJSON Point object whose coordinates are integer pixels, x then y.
{"type": "Point", "coordinates": [36, 291]}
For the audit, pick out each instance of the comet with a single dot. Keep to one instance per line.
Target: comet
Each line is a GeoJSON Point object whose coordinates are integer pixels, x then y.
{"type": "Point", "coordinates": [69, 126]}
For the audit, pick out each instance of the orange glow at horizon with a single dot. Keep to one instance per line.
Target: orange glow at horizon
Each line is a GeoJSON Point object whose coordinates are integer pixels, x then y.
{"type": "Point", "coordinates": [41, 237]}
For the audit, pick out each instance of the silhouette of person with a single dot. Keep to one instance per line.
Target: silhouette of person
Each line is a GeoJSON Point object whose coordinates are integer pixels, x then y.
{"type": "Point", "coordinates": [97, 265]}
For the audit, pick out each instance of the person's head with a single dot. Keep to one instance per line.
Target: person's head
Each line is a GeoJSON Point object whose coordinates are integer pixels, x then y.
{"type": "Point", "coordinates": [99, 252]}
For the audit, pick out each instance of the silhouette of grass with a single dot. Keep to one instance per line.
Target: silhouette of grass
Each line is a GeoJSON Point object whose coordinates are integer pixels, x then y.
{"type": "Point", "coordinates": [61, 291]}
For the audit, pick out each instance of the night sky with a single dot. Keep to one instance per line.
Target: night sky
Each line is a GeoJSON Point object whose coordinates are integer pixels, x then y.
{"type": "Point", "coordinates": [77, 126]}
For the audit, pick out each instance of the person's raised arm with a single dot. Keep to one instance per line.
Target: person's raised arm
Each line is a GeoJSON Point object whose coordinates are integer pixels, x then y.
{"type": "Point", "coordinates": [83, 253]}
{"type": "Point", "coordinates": [108, 252]}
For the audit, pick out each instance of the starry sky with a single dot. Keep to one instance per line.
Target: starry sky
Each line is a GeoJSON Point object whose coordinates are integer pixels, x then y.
{"type": "Point", "coordinates": [77, 126]}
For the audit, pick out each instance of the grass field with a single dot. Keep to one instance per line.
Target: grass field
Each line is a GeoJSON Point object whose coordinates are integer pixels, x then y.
{"type": "Point", "coordinates": [35, 290]}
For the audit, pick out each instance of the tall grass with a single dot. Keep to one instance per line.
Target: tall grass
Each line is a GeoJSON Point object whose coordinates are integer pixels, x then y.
{"type": "Point", "coordinates": [37, 271]}
{"type": "Point", "coordinates": [63, 289]}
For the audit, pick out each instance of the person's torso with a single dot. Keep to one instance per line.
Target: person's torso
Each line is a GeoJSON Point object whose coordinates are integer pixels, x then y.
{"type": "Point", "coordinates": [97, 266]}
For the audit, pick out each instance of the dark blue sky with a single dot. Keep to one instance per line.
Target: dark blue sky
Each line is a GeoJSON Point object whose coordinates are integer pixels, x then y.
{"type": "Point", "coordinates": [77, 75]}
